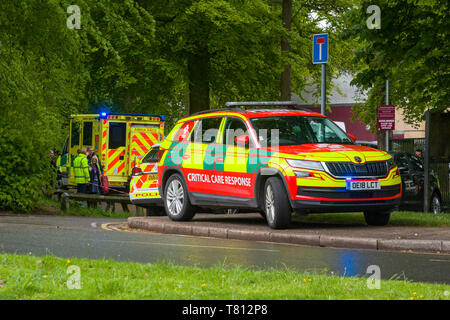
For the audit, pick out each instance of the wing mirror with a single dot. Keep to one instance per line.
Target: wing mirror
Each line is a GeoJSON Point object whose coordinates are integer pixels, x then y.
{"type": "Point", "coordinates": [352, 137]}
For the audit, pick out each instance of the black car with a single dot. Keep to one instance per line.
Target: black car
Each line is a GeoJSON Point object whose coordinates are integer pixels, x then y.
{"type": "Point", "coordinates": [412, 173]}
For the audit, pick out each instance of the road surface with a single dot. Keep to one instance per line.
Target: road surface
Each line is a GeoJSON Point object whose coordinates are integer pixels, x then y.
{"type": "Point", "coordinates": [93, 238]}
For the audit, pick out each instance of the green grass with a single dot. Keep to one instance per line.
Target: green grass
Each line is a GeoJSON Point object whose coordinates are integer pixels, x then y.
{"type": "Point", "coordinates": [398, 218]}
{"type": "Point", "coordinates": [28, 277]}
{"type": "Point", "coordinates": [52, 207]}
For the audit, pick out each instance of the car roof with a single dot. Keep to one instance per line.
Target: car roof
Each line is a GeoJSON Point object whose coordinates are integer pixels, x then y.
{"type": "Point", "coordinates": [253, 113]}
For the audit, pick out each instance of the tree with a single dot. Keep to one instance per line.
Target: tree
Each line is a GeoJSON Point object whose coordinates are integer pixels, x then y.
{"type": "Point", "coordinates": [411, 50]}
{"type": "Point", "coordinates": [286, 48]}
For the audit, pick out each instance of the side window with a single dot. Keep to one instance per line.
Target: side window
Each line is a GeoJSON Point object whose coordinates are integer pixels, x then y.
{"type": "Point", "coordinates": [152, 156]}
{"type": "Point", "coordinates": [87, 133]}
{"type": "Point", "coordinates": [117, 135]}
{"type": "Point", "coordinates": [234, 127]}
{"type": "Point", "coordinates": [75, 134]}
{"type": "Point", "coordinates": [206, 130]}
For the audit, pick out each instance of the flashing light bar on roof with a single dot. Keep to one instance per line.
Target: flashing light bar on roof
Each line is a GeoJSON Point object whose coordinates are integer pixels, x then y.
{"type": "Point", "coordinates": [262, 103]}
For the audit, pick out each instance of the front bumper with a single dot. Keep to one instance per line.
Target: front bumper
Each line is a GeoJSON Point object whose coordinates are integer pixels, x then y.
{"type": "Point", "coordinates": [341, 200]}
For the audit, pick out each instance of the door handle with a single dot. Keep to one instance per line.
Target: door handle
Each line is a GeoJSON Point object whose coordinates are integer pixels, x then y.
{"type": "Point", "coordinates": [219, 159]}
{"type": "Point", "coordinates": [121, 157]}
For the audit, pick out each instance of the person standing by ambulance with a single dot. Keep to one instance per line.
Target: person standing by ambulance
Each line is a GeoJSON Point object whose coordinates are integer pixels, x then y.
{"type": "Point", "coordinates": [81, 171]}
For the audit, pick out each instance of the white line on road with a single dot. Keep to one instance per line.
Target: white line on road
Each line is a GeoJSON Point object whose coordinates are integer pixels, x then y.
{"type": "Point", "coordinates": [186, 245]}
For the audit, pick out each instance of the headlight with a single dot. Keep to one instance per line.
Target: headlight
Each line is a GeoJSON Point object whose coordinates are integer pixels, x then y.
{"type": "Point", "coordinates": [305, 164]}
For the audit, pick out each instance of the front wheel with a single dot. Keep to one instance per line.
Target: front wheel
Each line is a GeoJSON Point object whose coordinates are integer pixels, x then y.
{"type": "Point", "coordinates": [176, 200]}
{"type": "Point", "coordinates": [377, 218]}
{"type": "Point", "coordinates": [435, 203]}
{"type": "Point", "coordinates": [276, 204]}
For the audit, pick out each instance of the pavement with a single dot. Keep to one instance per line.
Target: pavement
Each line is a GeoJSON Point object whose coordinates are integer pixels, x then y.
{"type": "Point", "coordinates": [253, 227]}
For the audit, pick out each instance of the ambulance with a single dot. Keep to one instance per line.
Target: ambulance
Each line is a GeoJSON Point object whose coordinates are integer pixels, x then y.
{"type": "Point", "coordinates": [275, 158]}
{"type": "Point", "coordinates": [120, 141]}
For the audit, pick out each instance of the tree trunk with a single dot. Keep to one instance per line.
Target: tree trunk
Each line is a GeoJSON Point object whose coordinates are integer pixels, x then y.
{"type": "Point", "coordinates": [198, 65]}
{"type": "Point", "coordinates": [286, 48]}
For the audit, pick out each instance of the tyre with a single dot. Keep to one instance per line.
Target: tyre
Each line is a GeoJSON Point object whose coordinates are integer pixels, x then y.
{"type": "Point", "coordinates": [276, 204]}
{"type": "Point", "coordinates": [435, 203]}
{"type": "Point", "coordinates": [155, 211]}
{"type": "Point", "coordinates": [176, 199]}
{"type": "Point", "coordinates": [377, 218]}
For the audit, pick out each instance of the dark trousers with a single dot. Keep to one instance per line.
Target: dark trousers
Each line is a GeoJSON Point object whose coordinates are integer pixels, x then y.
{"type": "Point", "coordinates": [81, 188]}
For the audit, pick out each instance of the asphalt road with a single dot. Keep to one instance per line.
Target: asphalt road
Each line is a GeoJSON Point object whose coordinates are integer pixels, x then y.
{"type": "Point", "coordinates": [90, 238]}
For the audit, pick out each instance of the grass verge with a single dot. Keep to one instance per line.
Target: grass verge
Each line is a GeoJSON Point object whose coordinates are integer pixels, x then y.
{"type": "Point", "coordinates": [398, 218]}
{"type": "Point", "coordinates": [28, 277]}
{"type": "Point", "coordinates": [52, 207]}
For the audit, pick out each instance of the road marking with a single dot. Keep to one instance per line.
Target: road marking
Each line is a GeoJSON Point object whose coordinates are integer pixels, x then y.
{"type": "Point", "coordinates": [438, 260]}
{"type": "Point", "coordinates": [187, 245]}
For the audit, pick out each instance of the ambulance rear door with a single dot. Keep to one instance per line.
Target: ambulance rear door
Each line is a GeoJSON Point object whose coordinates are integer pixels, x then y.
{"type": "Point", "coordinates": [143, 137]}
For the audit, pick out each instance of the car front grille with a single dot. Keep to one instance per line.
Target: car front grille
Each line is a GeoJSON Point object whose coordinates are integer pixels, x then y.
{"type": "Point", "coordinates": [375, 169]}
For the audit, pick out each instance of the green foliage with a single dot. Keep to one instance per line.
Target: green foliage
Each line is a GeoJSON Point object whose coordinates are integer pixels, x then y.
{"type": "Point", "coordinates": [411, 50]}
{"type": "Point", "coordinates": [136, 56]}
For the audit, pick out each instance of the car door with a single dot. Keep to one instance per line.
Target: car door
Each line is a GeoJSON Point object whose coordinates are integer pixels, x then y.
{"type": "Point", "coordinates": [417, 174]}
{"type": "Point", "coordinates": [408, 186]}
{"type": "Point", "coordinates": [198, 159]}
{"type": "Point", "coordinates": [232, 158]}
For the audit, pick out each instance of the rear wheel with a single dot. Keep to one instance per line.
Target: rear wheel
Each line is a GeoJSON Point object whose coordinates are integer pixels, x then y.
{"type": "Point", "coordinates": [377, 218]}
{"type": "Point", "coordinates": [276, 204]}
{"type": "Point", "coordinates": [176, 200]}
{"type": "Point", "coordinates": [435, 204]}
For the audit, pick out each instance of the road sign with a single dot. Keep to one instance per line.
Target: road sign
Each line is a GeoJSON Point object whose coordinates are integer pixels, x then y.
{"type": "Point", "coordinates": [320, 48]}
{"type": "Point", "coordinates": [386, 117]}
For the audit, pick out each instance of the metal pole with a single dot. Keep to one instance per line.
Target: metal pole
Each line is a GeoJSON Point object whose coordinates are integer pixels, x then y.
{"type": "Point", "coordinates": [323, 88]}
{"type": "Point", "coordinates": [387, 102]}
{"type": "Point", "coordinates": [426, 158]}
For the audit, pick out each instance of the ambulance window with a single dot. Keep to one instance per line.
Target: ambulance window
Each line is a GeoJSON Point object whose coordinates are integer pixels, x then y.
{"type": "Point", "coordinates": [75, 134]}
{"type": "Point", "coordinates": [87, 133]}
{"type": "Point", "coordinates": [206, 130]}
{"type": "Point", "coordinates": [234, 127]}
{"type": "Point", "coordinates": [117, 135]}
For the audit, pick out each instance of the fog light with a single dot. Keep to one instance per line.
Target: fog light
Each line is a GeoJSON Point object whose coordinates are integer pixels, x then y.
{"type": "Point", "coordinates": [302, 174]}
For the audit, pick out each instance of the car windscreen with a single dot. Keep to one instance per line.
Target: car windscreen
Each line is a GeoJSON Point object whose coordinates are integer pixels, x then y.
{"type": "Point", "coordinates": [295, 130]}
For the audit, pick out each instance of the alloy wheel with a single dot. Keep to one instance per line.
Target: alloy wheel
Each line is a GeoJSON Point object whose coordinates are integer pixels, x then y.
{"type": "Point", "coordinates": [270, 201]}
{"type": "Point", "coordinates": [175, 197]}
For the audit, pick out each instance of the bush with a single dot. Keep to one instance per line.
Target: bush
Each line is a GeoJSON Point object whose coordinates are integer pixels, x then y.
{"type": "Point", "coordinates": [25, 170]}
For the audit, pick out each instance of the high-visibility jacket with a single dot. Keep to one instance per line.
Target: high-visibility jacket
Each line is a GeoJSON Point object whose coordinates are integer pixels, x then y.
{"type": "Point", "coordinates": [81, 169]}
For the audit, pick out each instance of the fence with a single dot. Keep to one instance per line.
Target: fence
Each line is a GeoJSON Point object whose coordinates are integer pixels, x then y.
{"type": "Point", "coordinates": [440, 167]}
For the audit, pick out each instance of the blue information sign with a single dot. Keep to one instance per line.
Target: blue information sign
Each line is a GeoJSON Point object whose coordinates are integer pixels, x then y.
{"type": "Point", "coordinates": [320, 48]}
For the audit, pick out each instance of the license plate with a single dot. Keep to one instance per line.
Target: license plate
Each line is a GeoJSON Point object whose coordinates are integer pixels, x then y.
{"type": "Point", "coordinates": [363, 185]}
{"type": "Point", "coordinates": [152, 177]}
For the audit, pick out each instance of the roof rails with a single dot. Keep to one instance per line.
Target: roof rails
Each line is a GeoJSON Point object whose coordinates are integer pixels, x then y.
{"type": "Point", "coordinates": [217, 110]}
{"type": "Point", "coordinates": [234, 106]}
{"type": "Point", "coordinates": [288, 104]}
